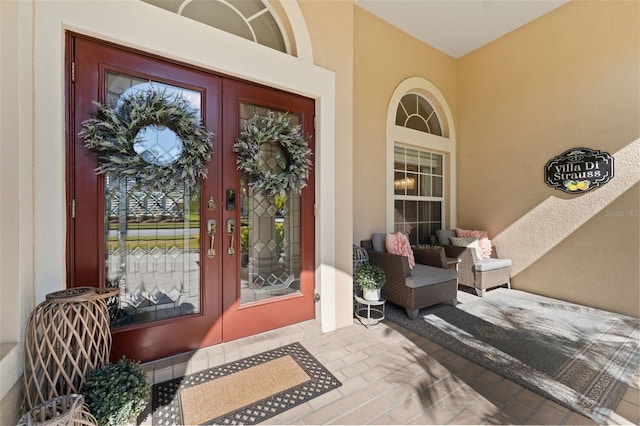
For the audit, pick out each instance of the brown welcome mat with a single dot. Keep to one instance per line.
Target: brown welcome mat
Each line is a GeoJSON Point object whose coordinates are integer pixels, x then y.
{"type": "Point", "coordinates": [247, 391]}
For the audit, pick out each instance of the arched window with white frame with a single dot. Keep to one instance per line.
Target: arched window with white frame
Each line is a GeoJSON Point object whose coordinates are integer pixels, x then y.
{"type": "Point", "coordinates": [420, 162]}
{"type": "Point", "coordinates": [253, 20]}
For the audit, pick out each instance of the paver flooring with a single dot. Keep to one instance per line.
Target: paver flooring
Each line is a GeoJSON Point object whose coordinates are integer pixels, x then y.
{"type": "Point", "coordinates": [391, 375]}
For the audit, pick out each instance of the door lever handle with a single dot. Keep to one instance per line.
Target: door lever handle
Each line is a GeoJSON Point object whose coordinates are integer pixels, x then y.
{"type": "Point", "coordinates": [231, 231]}
{"type": "Point", "coordinates": [211, 230]}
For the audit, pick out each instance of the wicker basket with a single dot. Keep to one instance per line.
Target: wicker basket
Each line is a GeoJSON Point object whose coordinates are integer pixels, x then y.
{"type": "Point", "coordinates": [68, 410]}
{"type": "Point", "coordinates": [67, 336]}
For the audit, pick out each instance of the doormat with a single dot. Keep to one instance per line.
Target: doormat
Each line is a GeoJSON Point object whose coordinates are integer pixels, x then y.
{"type": "Point", "coordinates": [247, 391]}
{"type": "Point", "coordinates": [581, 357]}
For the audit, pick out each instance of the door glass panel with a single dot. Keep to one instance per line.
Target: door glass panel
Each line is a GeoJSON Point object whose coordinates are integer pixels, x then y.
{"type": "Point", "coordinates": [270, 231]}
{"type": "Point", "coordinates": [152, 237]}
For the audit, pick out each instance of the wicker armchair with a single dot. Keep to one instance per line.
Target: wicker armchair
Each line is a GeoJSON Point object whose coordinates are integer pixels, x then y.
{"type": "Point", "coordinates": [479, 274]}
{"type": "Point", "coordinates": [429, 283]}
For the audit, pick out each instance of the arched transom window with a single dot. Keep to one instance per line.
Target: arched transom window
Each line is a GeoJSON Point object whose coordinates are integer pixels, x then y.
{"type": "Point", "coordinates": [250, 19]}
{"type": "Point", "coordinates": [420, 161]}
{"type": "Point", "coordinates": [415, 112]}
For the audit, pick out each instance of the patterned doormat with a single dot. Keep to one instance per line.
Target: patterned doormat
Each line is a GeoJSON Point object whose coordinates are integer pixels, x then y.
{"type": "Point", "coordinates": [247, 391]}
{"type": "Point", "coordinates": [581, 357]}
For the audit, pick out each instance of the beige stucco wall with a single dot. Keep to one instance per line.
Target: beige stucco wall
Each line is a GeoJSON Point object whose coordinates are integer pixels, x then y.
{"type": "Point", "coordinates": [569, 79]}
{"type": "Point", "coordinates": [383, 58]}
{"type": "Point", "coordinates": [16, 199]}
{"type": "Point", "coordinates": [330, 25]}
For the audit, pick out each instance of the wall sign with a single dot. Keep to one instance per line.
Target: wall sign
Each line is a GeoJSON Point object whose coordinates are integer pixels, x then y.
{"type": "Point", "coordinates": [579, 170]}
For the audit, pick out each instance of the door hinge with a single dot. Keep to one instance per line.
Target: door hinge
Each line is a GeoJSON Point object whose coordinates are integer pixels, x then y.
{"type": "Point", "coordinates": [73, 208]}
{"type": "Point", "coordinates": [73, 72]}
{"type": "Point", "coordinates": [315, 122]}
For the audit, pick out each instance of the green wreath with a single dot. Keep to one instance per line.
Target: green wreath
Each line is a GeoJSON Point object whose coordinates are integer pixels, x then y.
{"type": "Point", "coordinates": [295, 165]}
{"type": "Point", "coordinates": [114, 133]}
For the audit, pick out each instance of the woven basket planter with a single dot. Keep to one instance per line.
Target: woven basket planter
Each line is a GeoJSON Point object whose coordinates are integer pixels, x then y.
{"type": "Point", "coordinates": [67, 336]}
{"type": "Point", "coordinates": [68, 410]}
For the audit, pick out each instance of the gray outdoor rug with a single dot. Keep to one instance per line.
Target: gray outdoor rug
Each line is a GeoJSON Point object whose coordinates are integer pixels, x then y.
{"type": "Point", "coordinates": [581, 357]}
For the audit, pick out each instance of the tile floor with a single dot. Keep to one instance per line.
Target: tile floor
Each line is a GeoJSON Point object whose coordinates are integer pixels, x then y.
{"type": "Point", "coordinates": [393, 376]}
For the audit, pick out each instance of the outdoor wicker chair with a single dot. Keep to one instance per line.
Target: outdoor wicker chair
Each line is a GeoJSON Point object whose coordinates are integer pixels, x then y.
{"type": "Point", "coordinates": [479, 274]}
{"type": "Point", "coordinates": [429, 283]}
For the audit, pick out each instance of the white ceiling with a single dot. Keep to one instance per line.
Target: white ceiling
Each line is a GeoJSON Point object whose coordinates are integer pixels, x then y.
{"type": "Point", "coordinates": [457, 27]}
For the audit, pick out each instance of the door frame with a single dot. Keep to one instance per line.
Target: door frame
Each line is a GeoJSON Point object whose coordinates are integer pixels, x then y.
{"type": "Point", "coordinates": [223, 317]}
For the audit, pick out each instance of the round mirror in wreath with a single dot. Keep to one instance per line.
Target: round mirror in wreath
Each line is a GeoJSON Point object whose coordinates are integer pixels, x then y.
{"type": "Point", "coordinates": [152, 126]}
{"type": "Point", "coordinates": [158, 145]}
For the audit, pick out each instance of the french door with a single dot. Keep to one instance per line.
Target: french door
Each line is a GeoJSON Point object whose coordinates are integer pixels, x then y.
{"type": "Point", "coordinates": [195, 266]}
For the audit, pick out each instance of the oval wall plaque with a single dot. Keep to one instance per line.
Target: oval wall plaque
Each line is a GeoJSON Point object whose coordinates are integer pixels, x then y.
{"type": "Point", "coordinates": [579, 170]}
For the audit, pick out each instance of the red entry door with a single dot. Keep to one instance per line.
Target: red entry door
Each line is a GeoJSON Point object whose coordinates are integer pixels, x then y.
{"type": "Point", "coordinates": [177, 295]}
{"type": "Point", "coordinates": [271, 283]}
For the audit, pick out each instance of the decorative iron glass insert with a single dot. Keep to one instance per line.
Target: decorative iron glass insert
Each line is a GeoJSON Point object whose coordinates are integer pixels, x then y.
{"type": "Point", "coordinates": [270, 230]}
{"type": "Point", "coordinates": [152, 238]}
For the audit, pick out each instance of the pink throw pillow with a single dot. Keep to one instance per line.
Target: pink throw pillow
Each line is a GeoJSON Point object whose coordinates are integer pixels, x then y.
{"type": "Point", "coordinates": [398, 243]}
{"type": "Point", "coordinates": [484, 243]}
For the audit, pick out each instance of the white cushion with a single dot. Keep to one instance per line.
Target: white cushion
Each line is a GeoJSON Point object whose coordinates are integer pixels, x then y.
{"type": "Point", "coordinates": [484, 265]}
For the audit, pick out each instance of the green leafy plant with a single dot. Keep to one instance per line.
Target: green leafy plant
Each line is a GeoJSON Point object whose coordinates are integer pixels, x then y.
{"type": "Point", "coordinates": [117, 393]}
{"type": "Point", "coordinates": [370, 277]}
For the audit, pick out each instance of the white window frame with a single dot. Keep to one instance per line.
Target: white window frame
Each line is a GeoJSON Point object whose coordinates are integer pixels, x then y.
{"type": "Point", "coordinates": [422, 198]}
{"type": "Point", "coordinates": [422, 141]}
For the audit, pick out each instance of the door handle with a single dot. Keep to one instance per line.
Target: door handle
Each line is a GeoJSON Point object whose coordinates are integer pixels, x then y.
{"type": "Point", "coordinates": [211, 230]}
{"type": "Point", "coordinates": [231, 231]}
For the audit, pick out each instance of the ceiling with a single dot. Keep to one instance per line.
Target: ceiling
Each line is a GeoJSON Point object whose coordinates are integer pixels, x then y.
{"type": "Point", "coordinates": [457, 27]}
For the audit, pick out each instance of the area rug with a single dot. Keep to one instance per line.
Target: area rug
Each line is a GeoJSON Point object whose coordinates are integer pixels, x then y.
{"type": "Point", "coordinates": [581, 357]}
{"type": "Point", "coordinates": [247, 391]}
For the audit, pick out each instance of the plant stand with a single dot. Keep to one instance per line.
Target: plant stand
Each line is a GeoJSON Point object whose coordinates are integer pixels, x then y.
{"type": "Point", "coordinates": [67, 336]}
{"type": "Point", "coordinates": [369, 312]}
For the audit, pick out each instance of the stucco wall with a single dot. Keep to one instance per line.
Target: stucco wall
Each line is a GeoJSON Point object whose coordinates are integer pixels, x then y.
{"type": "Point", "coordinates": [569, 79]}
{"type": "Point", "coordinates": [16, 198]}
{"type": "Point", "coordinates": [330, 25]}
{"type": "Point", "coordinates": [385, 57]}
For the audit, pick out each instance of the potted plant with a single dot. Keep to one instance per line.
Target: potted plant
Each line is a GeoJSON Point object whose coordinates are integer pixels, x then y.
{"type": "Point", "coordinates": [117, 393]}
{"type": "Point", "coordinates": [370, 279]}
